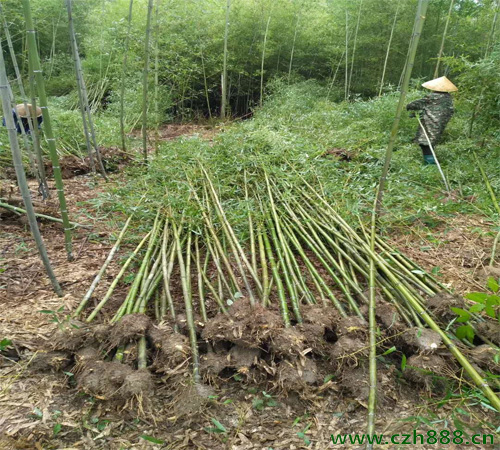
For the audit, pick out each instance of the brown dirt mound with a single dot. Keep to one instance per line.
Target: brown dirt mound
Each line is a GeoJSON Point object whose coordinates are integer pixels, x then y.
{"type": "Point", "coordinates": [425, 370]}
{"type": "Point", "coordinates": [483, 356]}
{"type": "Point", "coordinates": [354, 327]}
{"type": "Point", "coordinates": [103, 379]}
{"type": "Point", "coordinates": [191, 399]}
{"type": "Point", "coordinates": [489, 330]}
{"type": "Point", "coordinates": [173, 348]}
{"type": "Point", "coordinates": [421, 340]}
{"type": "Point", "coordinates": [441, 303]}
{"type": "Point", "coordinates": [245, 325]}
{"type": "Point", "coordinates": [73, 337]}
{"type": "Point", "coordinates": [348, 350]}
{"type": "Point", "coordinates": [137, 383]}
{"type": "Point", "coordinates": [47, 361]}
{"type": "Point", "coordinates": [288, 342]}
{"type": "Point", "coordinates": [355, 382]}
{"type": "Point", "coordinates": [129, 328]}
{"type": "Point", "coordinates": [298, 375]}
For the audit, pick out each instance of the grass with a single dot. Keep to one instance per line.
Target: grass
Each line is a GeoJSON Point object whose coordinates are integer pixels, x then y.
{"type": "Point", "coordinates": [290, 135]}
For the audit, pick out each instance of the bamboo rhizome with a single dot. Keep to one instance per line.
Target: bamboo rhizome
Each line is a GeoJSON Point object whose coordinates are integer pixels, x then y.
{"type": "Point", "coordinates": [418, 26]}
{"type": "Point", "coordinates": [223, 107]}
{"type": "Point", "coordinates": [21, 176]}
{"type": "Point", "coordinates": [389, 49]}
{"type": "Point", "coordinates": [40, 82]}
{"type": "Point", "coordinates": [145, 83]}
{"type": "Point", "coordinates": [124, 76]}
{"type": "Point", "coordinates": [443, 39]}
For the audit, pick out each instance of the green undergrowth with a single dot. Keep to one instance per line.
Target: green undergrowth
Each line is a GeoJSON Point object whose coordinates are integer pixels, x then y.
{"type": "Point", "coordinates": [291, 138]}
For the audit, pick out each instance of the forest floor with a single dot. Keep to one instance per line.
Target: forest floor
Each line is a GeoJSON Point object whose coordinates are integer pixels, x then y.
{"type": "Point", "coordinates": [41, 408]}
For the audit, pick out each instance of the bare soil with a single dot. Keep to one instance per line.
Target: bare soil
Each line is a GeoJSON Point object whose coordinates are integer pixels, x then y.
{"type": "Point", "coordinates": [269, 387]}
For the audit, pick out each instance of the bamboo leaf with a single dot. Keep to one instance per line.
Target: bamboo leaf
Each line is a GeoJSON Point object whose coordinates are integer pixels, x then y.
{"type": "Point", "coordinates": [220, 428]}
{"type": "Point", "coordinates": [478, 297]}
{"type": "Point", "coordinates": [151, 439]}
{"type": "Point", "coordinates": [464, 316]}
{"type": "Point", "coordinates": [493, 284]}
{"type": "Point", "coordinates": [465, 332]}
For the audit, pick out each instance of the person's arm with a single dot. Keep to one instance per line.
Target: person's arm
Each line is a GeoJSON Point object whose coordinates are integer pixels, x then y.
{"type": "Point", "coordinates": [417, 105]}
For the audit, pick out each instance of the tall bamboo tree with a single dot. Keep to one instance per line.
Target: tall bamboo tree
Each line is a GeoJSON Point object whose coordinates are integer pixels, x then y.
{"type": "Point", "coordinates": [21, 176]}
{"type": "Point", "coordinates": [354, 49]}
{"type": "Point", "coordinates": [157, 76]}
{"type": "Point", "coordinates": [145, 83]}
{"type": "Point", "coordinates": [124, 75]}
{"type": "Point", "coordinates": [262, 62]}
{"type": "Point", "coordinates": [51, 141]}
{"type": "Point", "coordinates": [34, 150]}
{"type": "Point", "coordinates": [388, 49]}
{"type": "Point", "coordinates": [417, 28]}
{"type": "Point", "coordinates": [443, 39]}
{"type": "Point", "coordinates": [491, 37]}
{"type": "Point", "coordinates": [346, 81]}
{"type": "Point", "coordinates": [223, 106]}
{"type": "Point", "coordinates": [293, 46]}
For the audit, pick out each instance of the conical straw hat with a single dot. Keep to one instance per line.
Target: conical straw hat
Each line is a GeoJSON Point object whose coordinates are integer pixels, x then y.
{"type": "Point", "coordinates": [21, 110]}
{"type": "Point", "coordinates": [441, 85]}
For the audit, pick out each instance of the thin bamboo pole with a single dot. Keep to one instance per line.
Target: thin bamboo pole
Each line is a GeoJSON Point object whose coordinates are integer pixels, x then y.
{"type": "Point", "coordinates": [33, 56]}
{"type": "Point", "coordinates": [293, 46]}
{"type": "Point", "coordinates": [262, 63]}
{"type": "Point", "coordinates": [124, 75]}
{"type": "Point", "coordinates": [21, 176]}
{"type": "Point", "coordinates": [39, 168]}
{"type": "Point", "coordinates": [491, 37]}
{"type": "Point", "coordinates": [441, 48]}
{"type": "Point", "coordinates": [372, 395]}
{"type": "Point", "coordinates": [145, 84]}
{"type": "Point", "coordinates": [419, 24]}
{"type": "Point", "coordinates": [74, 50]}
{"type": "Point", "coordinates": [354, 49]}
{"type": "Point", "coordinates": [157, 77]}
{"type": "Point", "coordinates": [445, 181]}
{"type": "Point", "coordinates": [388, 49]}
{"type": "Point", "coordinates": [346, 81]}
{"type": "Point", "coordinates": [223, 107]}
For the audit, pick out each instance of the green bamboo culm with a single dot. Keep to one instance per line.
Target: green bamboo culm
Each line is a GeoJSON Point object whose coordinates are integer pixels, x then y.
{"type": "Point", "coordinates": [37, 72]}
{"type": "Point", "coordinates": [21, 176]}
{"type": "Point", "coordinates": [417, 31]}
{"type": "Point", "coordinates": [372, 395]}
{"type": "Point", "coordinates": [88, 124]}
{"type": "Point", "coordinates": [145, 84]}
{"type": "Point", "coordinates": [124, 74]}
{"type": "Point", "coordinates": [223, 106]}
{"type": "Point", "coordinates": [31, 145]}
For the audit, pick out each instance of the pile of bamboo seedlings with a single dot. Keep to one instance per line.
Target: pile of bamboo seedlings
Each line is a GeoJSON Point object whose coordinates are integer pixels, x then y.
{"type": "Point", "coordinates": [300, 252]}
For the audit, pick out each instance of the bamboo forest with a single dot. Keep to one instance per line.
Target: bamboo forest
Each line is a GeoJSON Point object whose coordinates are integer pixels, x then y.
{"type": "Point", "coordinates": [249, 224]}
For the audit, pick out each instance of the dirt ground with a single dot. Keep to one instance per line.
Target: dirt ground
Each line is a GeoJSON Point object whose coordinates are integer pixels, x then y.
{"type": "Point", "coordinates": [42, 408]}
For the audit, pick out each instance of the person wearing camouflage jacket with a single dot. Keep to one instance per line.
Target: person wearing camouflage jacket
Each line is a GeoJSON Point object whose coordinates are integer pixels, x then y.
{"type": "Point", "coordinates": [436, 111]}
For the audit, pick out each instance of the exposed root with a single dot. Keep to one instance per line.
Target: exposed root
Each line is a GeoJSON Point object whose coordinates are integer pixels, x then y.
{"type": "Point", "coordinates": [129, 328]}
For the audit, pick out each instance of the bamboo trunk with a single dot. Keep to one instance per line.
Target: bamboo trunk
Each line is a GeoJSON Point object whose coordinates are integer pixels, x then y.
{"type": "Point", "coordinates": [293, 46]}
{"type": "Point", "coordinates": [145, 84]}
{"type": "Point", "coordinates": [262, 63]}
{"type": "Point", "coordinates": [224, 65]}
{"type": "Point", "coordinates": [354, 50]}
{"type": "Point", "coordinates": [441, 48]}
{"type": "Point", "coordinates": [21, 176]}
{"type": "Point", "coordinates": [419, 24]}
{"type": "Point", "coordinates": [124, 74]}
{"type": "Point", "coordinates": [346, 81]}
{"type": "Point", "coordinates": [37, 71]}
{"type": "Point", "coordinates": [388, 49]}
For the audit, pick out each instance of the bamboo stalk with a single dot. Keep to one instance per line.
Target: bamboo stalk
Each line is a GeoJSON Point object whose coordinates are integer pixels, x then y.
{"type": "Point", "coordinates": [372, 395]}
{"type": "Point", "coordinates": [21, 176]}
{"type": "Point", "coordinates": [445, 181]}
{"type": "Point", "coordinates": [145, 84]}
{"type": "Point", "coordinates": [189, 308]}
{"type": "Point", "coordinates": [262, 63]}
{"type": "Point", "coordinates": [441, 48]}
{"type": "Point", "coordinates": [104, 267]}
{"type": "Point", "coordinates": [354, 49]}
{"type": "Point", "coordinates": [293, 47]}
{"type": "Point", "coordinates": [124, 74]}
{"type": "Point", "coordinates": [419, 23]}
{"type": "Point", "coordinates": [115, 282]}
{"type": "Point", "coordinates": [224, 99]}
{"type": "Point", "coordinates": [388, 49]}
{"type": "Point", "coordinates": [36, 69]}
